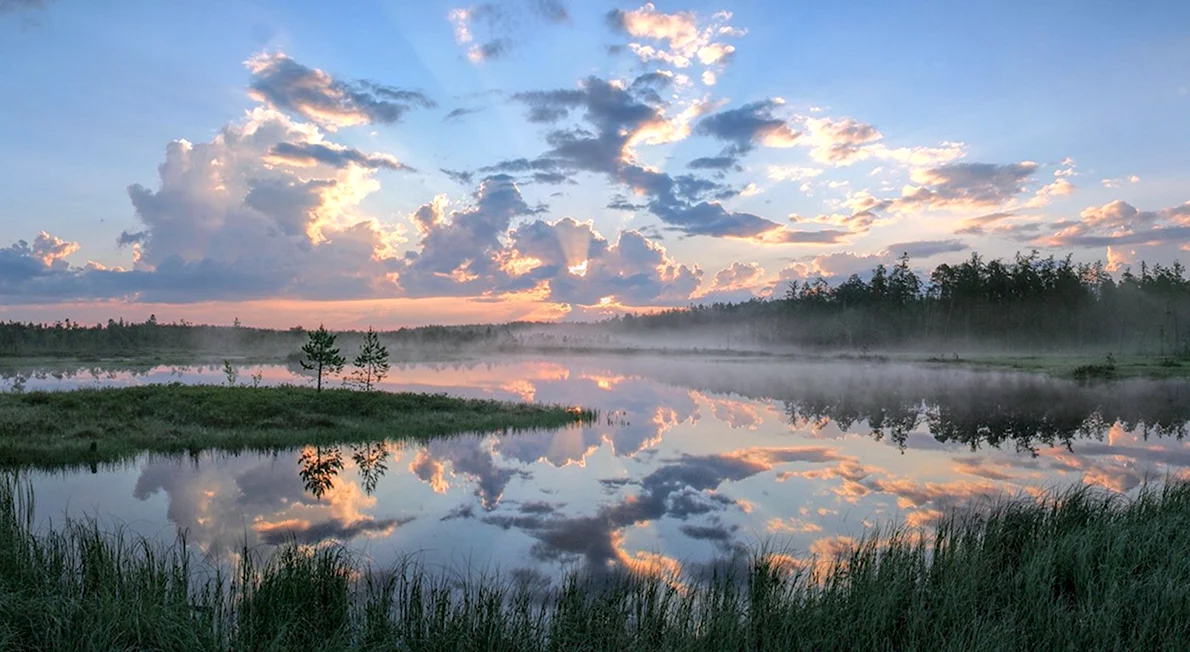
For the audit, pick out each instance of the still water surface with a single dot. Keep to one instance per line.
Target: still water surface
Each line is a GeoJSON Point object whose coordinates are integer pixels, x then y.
{"type": "Point", "coordinates": [692, 460]}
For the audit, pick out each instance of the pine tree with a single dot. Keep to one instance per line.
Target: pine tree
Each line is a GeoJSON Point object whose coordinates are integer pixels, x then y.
{"type": "Point", "coordinates": [322, 356]}
{"type": "Point", "coordinates": [371, 365]}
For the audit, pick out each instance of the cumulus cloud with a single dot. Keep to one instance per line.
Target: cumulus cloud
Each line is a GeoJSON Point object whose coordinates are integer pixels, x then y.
{"type": "Point", "coordinates": [737, 282]}
{"type": "Point", "coordinates": [1119, 223]}
{"type": "Point", "coordinates": [679, 39]}
{"type": "Point", "coordinates": [292, 87]}
{"type": "Point", "coordinates": [1060, 187]}
{"type": "Point", "coordinates": [1116, 183]}
{"type": "Point", "coordinates": [33, 269]}
{"type": "Point", "coordinates": [844, 141]}
{"type": "Point", "coordinates": [840, 142]}
{"type": "Point", "coordinates": [965, 186]}
{"type": "Point", "coordinates": [858, 222]}
{"type": "Point", "coordinates": [564, 261]}
{"type": "Point", "coordinates": [231, 221]}
{"type": "Point", "coordinates": [584, 268]}
{"type": "Point", "coordinates": [457, 254]}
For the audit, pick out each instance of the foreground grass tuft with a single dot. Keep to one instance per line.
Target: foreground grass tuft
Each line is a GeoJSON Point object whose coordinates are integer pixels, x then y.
{"type": "Point", "coordinates": [1077, 571]}
{"type": "Point", "coordinates": [48, 429]}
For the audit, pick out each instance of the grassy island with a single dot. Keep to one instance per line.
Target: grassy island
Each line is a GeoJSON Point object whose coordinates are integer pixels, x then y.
{"type": "Point", "coordinates": [51, 429]}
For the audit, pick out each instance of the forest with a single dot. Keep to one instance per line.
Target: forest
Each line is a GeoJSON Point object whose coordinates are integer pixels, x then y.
{"type": "Point", "coordinates": [1026, 304]}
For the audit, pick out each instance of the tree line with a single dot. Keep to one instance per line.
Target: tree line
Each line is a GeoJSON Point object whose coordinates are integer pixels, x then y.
{"type": "Point", "coordinates": [1029, 302]}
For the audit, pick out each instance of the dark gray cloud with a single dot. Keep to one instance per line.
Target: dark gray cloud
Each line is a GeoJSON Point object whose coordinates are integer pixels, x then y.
{"type": "Point", "coordinates": [537, 507]}
{"type": "Point", "coordinates": [648, 86]}
{"type": "Point", "coordinates": [462, 511]}
{"type": "Point", "coordinates": [337, 530]}
{"type": "Point", "coordinates": [504, 25]}
{"type": "Point", "coordinates": [966, 186]}
{"type": "Point", "coordinates": [686, 203]}
{"type": "Point", "coordinates": [462, 111]}
{"type": "Point", "coordinates": [552, 178]}
{"type": "Point", "coordinates": [714, 163]}
{"type": "Point", "coordinates": [717, 533]}
{"type": "Point", "coordinates": [338, 157]}
{"type": "Point", "coordinates": [550, 106]}
{"type": "Point", "coordinates": [1157, 236]}
{"type": "Point", "coordinates": [926, 248]}
{"type": "Point", "coordinates": [493, 49]}
{"type": "Point", "coordinates": [683, 488]}
{"type": "Point", "coordinates": [460, 177]}
{"type": "Point", "coordinates": [747, 126]}
{"type": "Point", "coordinates": [312, 93]}
{"type": "Point", "coordinates": [620, 203]}
{"type": "Point", "coordinates": [518, 165]}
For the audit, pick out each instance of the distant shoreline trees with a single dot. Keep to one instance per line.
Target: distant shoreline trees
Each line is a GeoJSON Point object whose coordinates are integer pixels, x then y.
{"type": "Point", "coordinates": [1030, 302]}
{"type": "Point", "coordinates": [1027, 304]}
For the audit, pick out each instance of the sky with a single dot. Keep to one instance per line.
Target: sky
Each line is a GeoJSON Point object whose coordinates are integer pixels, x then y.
{"type": "Point", "coordinates": [400, 163]}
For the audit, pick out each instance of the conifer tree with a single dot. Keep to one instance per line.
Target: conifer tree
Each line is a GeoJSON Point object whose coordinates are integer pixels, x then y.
{"type": "Point", "coordinates": [322, 356]}
{"type": "Point", "coordinates": [371, 365]}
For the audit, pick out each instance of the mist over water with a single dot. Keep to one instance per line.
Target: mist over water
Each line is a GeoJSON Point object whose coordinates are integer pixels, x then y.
{"type": "Point", "coordinates": [693, 459]}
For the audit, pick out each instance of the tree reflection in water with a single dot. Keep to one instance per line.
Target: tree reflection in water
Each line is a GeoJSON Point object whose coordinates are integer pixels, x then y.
{"type": "Point", "coordinates": [1028, 413]}
{"type": "Point", "coordinates": [372, 461]}
{"type": "Point", "coordinates": [320, 465]}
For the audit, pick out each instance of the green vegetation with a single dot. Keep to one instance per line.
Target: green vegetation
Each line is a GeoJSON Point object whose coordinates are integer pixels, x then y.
{"type": "Point", "coordinates": [47, 429]}
{"type": "Point", "coordinates": [1076, 367]}
{"type": "Point", "coordinates": [322, 356]}
{"type": "Point", "coordinates": [1027, 304]}
{"type": "Point", "coordinates": [1080, 570]}
{"type": "Point", "coordinates": [371, 365]}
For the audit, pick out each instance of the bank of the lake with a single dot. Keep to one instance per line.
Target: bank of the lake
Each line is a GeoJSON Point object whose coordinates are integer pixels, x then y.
{"type": "Point", "coordinates": [1071, 366]}
{"type": "Point", "coordinates": [62, 428]}
{"type": "Point", "coordinates": [1080, 570]}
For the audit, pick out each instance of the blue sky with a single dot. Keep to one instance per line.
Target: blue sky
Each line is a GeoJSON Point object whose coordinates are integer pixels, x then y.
{"type": "Point", "coordinates": [826, 139]}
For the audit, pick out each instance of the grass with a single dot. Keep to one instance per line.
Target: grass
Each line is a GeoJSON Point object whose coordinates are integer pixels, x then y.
{"type": "Point", "coordinates": [1078, 367]}
{"type": "Point", "coordinates": [86, 426]}
{"type": "Point", "coordinates": [1080, 570]}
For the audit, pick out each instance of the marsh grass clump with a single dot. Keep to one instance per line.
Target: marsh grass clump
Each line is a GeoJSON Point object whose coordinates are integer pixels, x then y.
{"type": "Point", "coordinates": [1081, 569]}
{"type": "Point", "coordinates": [1105, 370]}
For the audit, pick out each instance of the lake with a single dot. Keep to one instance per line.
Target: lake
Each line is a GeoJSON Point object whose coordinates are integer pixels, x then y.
{"type": "Point", "coordinates": [692, 460]}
